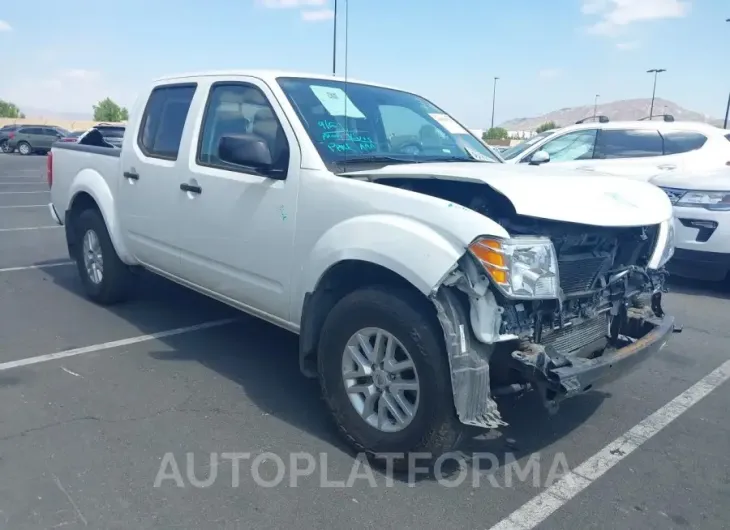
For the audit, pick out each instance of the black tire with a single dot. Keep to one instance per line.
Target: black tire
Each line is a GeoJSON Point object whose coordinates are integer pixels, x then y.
{"type": "Point", "coordinates": [435, 428]}
{"type": "Point", "coordinates": [116, 281]}
{"type": "Point", "coordinates": [4, 148]}
{"type": "Point", "coordinates": [21, 146]}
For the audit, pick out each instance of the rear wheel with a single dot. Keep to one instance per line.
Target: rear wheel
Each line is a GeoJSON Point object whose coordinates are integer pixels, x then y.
{"type": "Point", "coordinates": [106, 279]}
{"type": "Point", "coordinates": [24, 148]}
{"type": "Point", "coordinates": [385, 375]}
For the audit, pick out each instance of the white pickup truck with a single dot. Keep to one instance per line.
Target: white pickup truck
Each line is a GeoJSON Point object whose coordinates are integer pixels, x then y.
{"type": "Point", "coordinates": [424, 277]}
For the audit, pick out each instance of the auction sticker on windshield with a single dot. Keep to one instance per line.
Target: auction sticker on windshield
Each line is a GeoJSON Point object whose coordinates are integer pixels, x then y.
{"type": "Point", "coordinates": [448, 123]}
{"type": "Point", "coordinates": [336, 102]}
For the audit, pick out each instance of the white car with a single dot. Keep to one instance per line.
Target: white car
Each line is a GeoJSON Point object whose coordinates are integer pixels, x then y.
{"type": "Point", "coordinates": [422, 284]}
{"type": "Point", "coordinates": [702, 220]}
{"type": "Point", "coordinates": [634, 149]}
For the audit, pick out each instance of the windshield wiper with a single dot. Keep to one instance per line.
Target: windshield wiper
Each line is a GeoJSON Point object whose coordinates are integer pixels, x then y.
{"type": "Point", "coordinates": [376, 159]}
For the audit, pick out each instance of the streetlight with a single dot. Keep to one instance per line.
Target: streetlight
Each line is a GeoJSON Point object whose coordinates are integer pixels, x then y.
{"type": "Point", "coordinates": [494, 96]}
{"type": "Point", "coordinates": [334, 42]}
{"type": "Point", "coordinates": [727, 109]}
{"type": "Point", "coordinates": [595, 105]}
{"type": "Point", "coordinates": [656, 72]}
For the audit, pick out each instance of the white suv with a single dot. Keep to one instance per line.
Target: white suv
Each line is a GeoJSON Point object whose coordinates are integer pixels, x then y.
{"type": "Point", "coordinates": [702, 222]}
{"type": "Point", "coordinates": [638, 149]}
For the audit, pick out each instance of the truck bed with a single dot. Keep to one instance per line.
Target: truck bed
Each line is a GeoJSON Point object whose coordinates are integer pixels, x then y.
{"type": "Point", "coordinates": [80, 164]}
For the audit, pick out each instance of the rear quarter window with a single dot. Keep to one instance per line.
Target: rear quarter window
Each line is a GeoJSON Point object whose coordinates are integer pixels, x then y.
{"type": "Point", "coordinates": [676, 142]}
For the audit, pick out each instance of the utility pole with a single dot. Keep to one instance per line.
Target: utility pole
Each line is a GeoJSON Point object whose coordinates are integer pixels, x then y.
{"type": "Point", "coordinates": [727, 108]}
{"type": "Point", "coordinates": [494, 97]}
{"type": "Point", "coordinates": [595, 105]}
{"type": "Point", "coordinates": [656, 72]}
{"type": "Point", "coordinates": [334, 42]}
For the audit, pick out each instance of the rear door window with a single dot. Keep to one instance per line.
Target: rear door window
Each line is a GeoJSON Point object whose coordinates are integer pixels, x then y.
{"type": "Point", "coordinates": [164, 120]}
{"type": "Point", "coordinates": [676, 142]}
{"type": "Point", "coordinates": [628, 143]}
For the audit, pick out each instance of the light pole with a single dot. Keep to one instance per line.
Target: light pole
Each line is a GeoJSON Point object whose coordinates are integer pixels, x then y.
{"type": "Point", "coordinates": [595, 105]}
{"type": "Point", "coordinates": [334, 42]}
{"type": "Point", "coordinates": [727, 109]}
{"type": "Point", "coordinates": [494, 97]}
{"type": "Point", "coordinates": [656, 72]}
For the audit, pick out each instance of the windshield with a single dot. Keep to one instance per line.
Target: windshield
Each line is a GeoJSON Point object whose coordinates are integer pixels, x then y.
{"type": "Point", "coordinates": [520, 148]}
{"type": "Point", "coordinates": [362, 122]}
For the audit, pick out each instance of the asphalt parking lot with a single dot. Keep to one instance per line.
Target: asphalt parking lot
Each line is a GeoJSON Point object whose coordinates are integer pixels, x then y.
{"type": "Point", "coordinates": [114, 418]}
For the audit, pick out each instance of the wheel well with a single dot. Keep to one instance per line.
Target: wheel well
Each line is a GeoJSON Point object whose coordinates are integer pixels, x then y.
{"type": "Point", "coordinates": [340, 280]}
{"type": "Point", "coordinates": [81, 202]}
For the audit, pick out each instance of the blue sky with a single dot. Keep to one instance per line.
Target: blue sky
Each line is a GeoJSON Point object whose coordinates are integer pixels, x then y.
{"type": "Point", "coordinates": [64, 56]}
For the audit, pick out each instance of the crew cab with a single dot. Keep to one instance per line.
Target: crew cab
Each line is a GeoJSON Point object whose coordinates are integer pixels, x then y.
{"type": "Point", "coordinates": [424, 278]}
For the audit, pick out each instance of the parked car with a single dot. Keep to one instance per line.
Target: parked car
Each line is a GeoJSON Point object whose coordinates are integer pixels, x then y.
{"type": "Point", "coordinates": [35, 138]}
{"type": "Point", "coordinates": [637, 149]}
{"type": "Point", "coordinates": [111, 134]}
{"type": "Point", "coordinates": [72, 137]}
{"type": "Point", "coordinates": [702, 222]}
{"type": "Point", "coordinates": [422, 285]}
{"type": "Point", "coordinates": [5, 133]}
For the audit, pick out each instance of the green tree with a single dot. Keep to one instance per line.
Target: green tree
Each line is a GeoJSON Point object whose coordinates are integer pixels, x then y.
{"type": "Point", "coordinates": [108, 110]}
{"type": "Point", "coordinates": [10, 110]}
{"type": "Point", "coordinates": [546, 127]}
{"type": "Point", "coordinates": [496, 133]}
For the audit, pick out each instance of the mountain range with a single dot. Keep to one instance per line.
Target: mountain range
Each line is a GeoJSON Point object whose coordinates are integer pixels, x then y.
{"type": "Point", "coordinates": [627, 109]}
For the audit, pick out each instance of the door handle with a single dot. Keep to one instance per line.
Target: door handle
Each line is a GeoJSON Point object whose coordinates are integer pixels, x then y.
{"type": "Point", "coordinates": [667, 167]}
{"type": "Point", "coordinates": [191, 188]}
{"type": "Point", "coordinates": [131, 175]}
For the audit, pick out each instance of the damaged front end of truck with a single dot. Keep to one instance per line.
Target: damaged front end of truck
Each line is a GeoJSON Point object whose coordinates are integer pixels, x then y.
{"type": "Point", "coordinates": [559, 308]}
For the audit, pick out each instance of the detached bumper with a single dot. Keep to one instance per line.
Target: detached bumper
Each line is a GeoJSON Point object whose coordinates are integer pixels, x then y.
{"type": "Point", "coordinates": [582, 374]}
{"type": "Point", "coordinates": [559, 377]}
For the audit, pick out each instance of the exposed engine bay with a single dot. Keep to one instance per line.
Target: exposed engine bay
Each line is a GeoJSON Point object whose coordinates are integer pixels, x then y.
{"type": "Point", "coordinates": [608, 299]}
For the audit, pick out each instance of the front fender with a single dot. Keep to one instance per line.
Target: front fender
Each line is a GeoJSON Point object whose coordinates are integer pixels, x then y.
{"type": "Point", "coordinates": [91, 182]}
{"type": "Point", "coordinates": [415, 251]}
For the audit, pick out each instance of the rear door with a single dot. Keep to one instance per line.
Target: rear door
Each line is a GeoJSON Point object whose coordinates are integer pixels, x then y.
{"type": "Point", "coordinates": [48, 136]}
{"type": "Point", "coordinates": [150, 184]}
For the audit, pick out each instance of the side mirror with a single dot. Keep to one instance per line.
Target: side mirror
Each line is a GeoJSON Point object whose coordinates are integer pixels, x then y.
{"type": "Point", "coordinates": [540, 157]}
{"type": "Point", "coordinates": [245, 150]}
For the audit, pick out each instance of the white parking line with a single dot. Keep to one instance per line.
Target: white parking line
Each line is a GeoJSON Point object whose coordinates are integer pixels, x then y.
{"type": "Point", "coordinates": [29, 228]}
{"type": "Point", "coordinates": [114, 344]}
{"type": "Point", "coordinates": [38, 267]}
{"type": "Point", "coordinates": [25, 206]}
{"type": "Point", "coordinates": [15, 192]}
{"type": "Point", "coordinates": [539, 508]}
{"type": "Point", "coordinates": [39, 183]}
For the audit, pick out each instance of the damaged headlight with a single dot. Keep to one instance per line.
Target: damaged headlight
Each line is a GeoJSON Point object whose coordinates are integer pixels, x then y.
{"type": "Point", "coordinates": [523, 267]}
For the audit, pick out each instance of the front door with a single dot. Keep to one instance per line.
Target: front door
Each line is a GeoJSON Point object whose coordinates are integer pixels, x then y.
{"type": "Point", "coordinates": [150, 184]}
{"type": "Point", "coordinates": [238, 223]}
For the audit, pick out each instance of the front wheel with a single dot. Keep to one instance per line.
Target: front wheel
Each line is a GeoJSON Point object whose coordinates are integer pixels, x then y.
{"type": "Point", "coordinates": [25, 149]}
{"type": "Point", "coordinates": [106, 279]}
{"type": "Point", "coordinates": [4, 147]}
{"type": "Point", "coordinates": [385, 376]}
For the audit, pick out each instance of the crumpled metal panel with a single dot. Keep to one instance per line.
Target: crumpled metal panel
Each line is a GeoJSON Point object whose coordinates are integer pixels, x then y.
{"type": "Point", "coordinates": [469, 362]}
